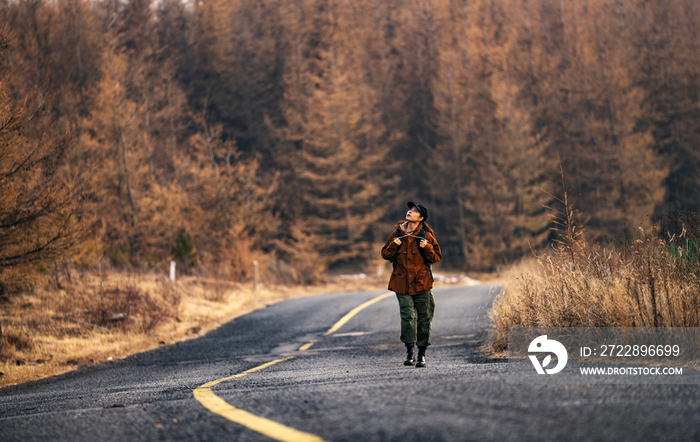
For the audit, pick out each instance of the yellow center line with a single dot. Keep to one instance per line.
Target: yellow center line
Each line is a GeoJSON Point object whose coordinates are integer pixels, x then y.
{"type": "Point", "coordinates": [306, 346]}
{"type": "Point", "coordinates": [252, 370]}
{"type": "Point", "coordinates": [355, 311]}
{"type": "Point", "coordinates": [259, 424]}
{"type": "Point", "coordinates": [267, 427]}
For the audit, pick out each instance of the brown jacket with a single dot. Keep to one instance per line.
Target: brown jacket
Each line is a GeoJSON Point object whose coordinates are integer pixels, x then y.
{"type": "Point", "coordinates": [411, 275]}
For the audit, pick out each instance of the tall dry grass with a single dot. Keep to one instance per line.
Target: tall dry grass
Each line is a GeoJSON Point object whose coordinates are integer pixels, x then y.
{"type": "Point", "coordinates": [650, 280]}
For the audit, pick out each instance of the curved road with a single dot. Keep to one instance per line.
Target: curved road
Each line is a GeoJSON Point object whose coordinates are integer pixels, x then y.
{"type": "Point", "coordinates": [348, 385]}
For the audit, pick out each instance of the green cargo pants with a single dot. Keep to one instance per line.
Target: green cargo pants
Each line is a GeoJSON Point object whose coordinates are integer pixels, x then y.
{"type": "Point", "coordinates": [416, 317]}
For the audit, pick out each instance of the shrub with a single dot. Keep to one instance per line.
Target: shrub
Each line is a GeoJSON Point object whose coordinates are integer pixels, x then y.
{"type": "Point", "coordinates": [183, 249]}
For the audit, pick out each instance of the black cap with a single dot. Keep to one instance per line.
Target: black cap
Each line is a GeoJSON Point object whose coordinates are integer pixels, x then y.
{"type": "Point", "coordinates": [421, 208]}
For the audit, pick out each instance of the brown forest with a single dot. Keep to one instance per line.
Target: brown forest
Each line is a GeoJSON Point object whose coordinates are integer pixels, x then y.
{"type": "Point", "coordinates": [216, 132]}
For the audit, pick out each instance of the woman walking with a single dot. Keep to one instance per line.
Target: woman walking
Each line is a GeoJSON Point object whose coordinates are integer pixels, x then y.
{"type": "Point", "coordinates": [412, 248]}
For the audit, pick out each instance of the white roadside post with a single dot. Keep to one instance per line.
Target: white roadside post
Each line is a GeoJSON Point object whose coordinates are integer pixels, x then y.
{"type": "Point", "coordinates": [255, 275]}
{"type": "Point", "coordinates": [172, 270]}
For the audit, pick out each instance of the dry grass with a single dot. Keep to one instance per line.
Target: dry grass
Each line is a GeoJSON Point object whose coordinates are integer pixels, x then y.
{"type": "Point", "coordinates": [654, 281]}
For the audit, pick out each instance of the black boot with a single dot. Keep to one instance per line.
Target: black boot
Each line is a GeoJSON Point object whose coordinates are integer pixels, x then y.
{"type": "Point", "coordinates": [421, 357]}
{"type": "Point", "coordinates": [410, 356]}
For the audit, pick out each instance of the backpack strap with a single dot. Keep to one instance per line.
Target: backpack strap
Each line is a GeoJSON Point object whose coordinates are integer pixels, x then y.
{"type": "Point", "coordinates": [421, 236]}
{"type": "Point", "coordinates": [397, 234]}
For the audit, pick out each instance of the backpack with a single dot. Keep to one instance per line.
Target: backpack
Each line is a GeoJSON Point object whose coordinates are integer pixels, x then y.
{"type": "Point", "coordinates": [420, 236]}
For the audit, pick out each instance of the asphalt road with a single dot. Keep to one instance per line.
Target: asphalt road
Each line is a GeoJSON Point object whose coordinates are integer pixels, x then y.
{"type": "Point", "coordinates": [350, 385]}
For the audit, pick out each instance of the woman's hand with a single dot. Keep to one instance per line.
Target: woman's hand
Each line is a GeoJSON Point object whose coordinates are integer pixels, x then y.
{"type": "Point", "coordinates": [397, 241]}
{"type": "Point", "coordinates": [423, 243]}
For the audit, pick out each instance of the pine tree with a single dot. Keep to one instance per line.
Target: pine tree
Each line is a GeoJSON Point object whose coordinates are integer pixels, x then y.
{"type": "Point", "coordinates": [39, 205]}
{"type": "Point", "coordinates": [418, 33]}
{"type": "Point", "coordinates": [228, 201]}
{"type": "Point", "coordinates": [108, 147]}
{"type": "Point", "coordinates": [588, 112]}
{"type": "Point", "coordinates": [333, 120]}
{"type": "Point", "coordinates": [490, 154]}
{"type": "Point", "coordinates": [241, 55]}
{"type": "Point", "coordinates": [665, 65]}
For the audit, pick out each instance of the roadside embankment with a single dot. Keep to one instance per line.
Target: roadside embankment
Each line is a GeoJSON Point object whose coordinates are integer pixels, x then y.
{"type": "Point", "coordinates": [92, 318]}
{"type": "Point", "coordinates": [51, 330]}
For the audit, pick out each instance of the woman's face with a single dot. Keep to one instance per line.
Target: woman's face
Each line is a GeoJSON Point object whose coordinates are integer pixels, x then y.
{"type": "Point", "coordinates": [413, 215]}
